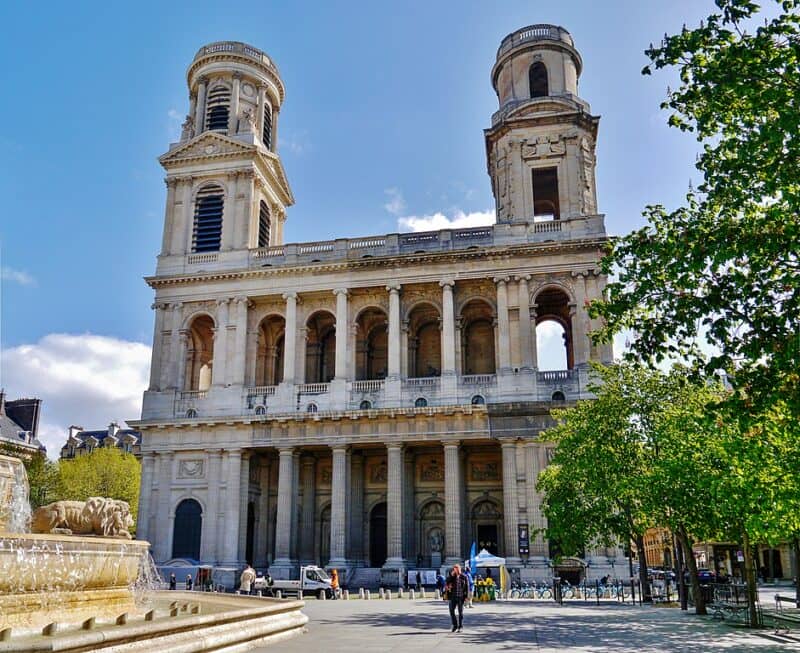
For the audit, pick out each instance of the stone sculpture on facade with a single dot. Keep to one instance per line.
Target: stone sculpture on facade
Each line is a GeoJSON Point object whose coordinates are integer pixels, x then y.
{"type": "Point", "coordinates": [95, 516]}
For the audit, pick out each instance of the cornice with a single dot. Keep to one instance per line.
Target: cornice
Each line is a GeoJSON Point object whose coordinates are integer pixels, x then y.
{"type": "Point", "coordinates": [314, 269]}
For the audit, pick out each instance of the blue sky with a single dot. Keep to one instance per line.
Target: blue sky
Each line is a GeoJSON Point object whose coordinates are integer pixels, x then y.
{"type": "Point", "coordinates": [383, 120]}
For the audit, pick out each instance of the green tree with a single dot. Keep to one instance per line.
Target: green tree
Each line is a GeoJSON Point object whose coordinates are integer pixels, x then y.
{"type": "Point", "coordinates": [42, 475]}
{"type": "Point", "coordinates": [106, 472]}
{"type": "Point", "coordinates": [725, 267]}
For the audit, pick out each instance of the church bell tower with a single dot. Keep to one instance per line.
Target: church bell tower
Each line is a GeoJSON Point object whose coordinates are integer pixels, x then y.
{"type": "Point", "coordinates": [227, 191]}
{"type": "Point", "coordinates": [541, 145]}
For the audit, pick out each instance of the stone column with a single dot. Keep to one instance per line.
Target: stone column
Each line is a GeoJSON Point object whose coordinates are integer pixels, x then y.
{"type": "Point", "coordinates": [339, 507]}
{"type": "Point", "coordinates": [526, 344]}
{"type": "Point", "coordinates": [244, 500]}
{"type": "Point", "coordinates": [169, 215]}
{"type": "Point", "coordinates": [210, 545]}
{"type": "Point", "coordinates": [156, 360]}
{"type": "Point", "coordinates": [533, 500]}
{"type": "Point", "coordinates": [182, 220]}
{"type": "Point", "coordinates": [356, 509]}
{"type": "Point", "coordinates": [394, 331]}
{"type": "Point", "coordinates": [233, 115]}
{"type": "Point", "coordinates": [200, 109]}
{"type": "Point", "coordinates": [503, 326]}
{"type": "Point", "coordinates": [341, 334]}
{"type": "Point", "coordinates": [172, 380]}
{"type": "Point", "coordinates": [274, 138]}
{"type": "Point", "coordinates": [240, 347]}
{"type": "Point", "coordinates": [290, 338]}
{"type": "Point", "coordinates": [580, 323]}
{"type": "Point", "coordinates": [448, 329]}
{"type": "Point", "coordinates": [233, 500]}
{"type": "Point", "coordinates": [452, 504]}
{"type": "Point", "coordinates": [308, 471]}
{"type": "Point", "coordinates": [231, 213]}
{"type": "Point", "coordinates": [394, 508]}
{"type": "Point", "coordinates": [510, 501]}
{"type": "Point", "coordinates": [164, 516]}
{"type": "Point", "coordinates": [535, 350]}
{"type": "Point", "coordinates": [262, 97]}
{"type": "Point", "coordinates": [220, 360]}
{"type": "Point", "coordinates": [408, 505]}
{"type": "Point", "coordinates": [145, 492]}
{"type": "Point", "coordinates": [283, 527]}
{"type": "Point", "coordinates": [183, 344]}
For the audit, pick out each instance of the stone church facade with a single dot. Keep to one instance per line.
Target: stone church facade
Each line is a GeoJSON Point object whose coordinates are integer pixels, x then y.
{"type": "Point", "coordinates": [372, 404]}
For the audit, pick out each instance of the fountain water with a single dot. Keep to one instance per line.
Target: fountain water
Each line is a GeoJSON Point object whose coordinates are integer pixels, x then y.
{"type": "Point", "coordinates": [70, 592]}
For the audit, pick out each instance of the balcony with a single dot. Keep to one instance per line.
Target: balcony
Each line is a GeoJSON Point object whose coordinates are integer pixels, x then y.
{"type": "Point", "coordinates": [313, 388]}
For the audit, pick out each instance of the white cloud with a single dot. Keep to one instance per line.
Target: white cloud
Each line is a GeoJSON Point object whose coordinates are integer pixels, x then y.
{"type": "Point", "coordinates": [17, 276]}
{"type": "Point", "coordinates": [395, 204]}
{"type": "Point", "coordinates": [296, 141]}
{"type": "Point", "coordinates": [439, 220]}
{"type": "Point", "coordinates": [88, 380]}
{"type": "Point", "coordinates": [175, 122]}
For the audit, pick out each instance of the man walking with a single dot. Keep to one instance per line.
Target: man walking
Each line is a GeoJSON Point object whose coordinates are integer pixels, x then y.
{"type": "Point", "coordinates": [457, 590]}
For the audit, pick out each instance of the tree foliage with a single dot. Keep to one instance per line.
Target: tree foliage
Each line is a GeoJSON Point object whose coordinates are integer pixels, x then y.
{"type": "Point", "coordinates": [725, 266]}
{"type": "Point", "coordinates": [106, 472]}
{"type": "Point", "coordinates": [42, 474]}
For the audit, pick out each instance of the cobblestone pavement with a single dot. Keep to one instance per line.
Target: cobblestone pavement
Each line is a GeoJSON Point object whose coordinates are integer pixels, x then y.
{"type": "Point", "coordinates": [424, 625]}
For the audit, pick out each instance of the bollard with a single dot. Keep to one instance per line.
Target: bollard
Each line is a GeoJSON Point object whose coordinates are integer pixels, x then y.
{"type": "Point", "coordinates": [258, 593]}
{"type": "Point", "coordinates": [367, 595]}
{"type": "Point", "coordinates": [437, 595]}
{"type": "Point", "coordinates": [346, 595]}
{"type": "Point", "coordinates": [361, 592]}
{"type": "Point", "coordinates": [322, 595]}
{"type": "Point", "coordinates": [278, 594]}
{"type": "Point", "coordinates": [411, 594]}
{"type": "Point", "coordinates": [422, 593]}
{"type": "Point", "coordinates": [399, 592]}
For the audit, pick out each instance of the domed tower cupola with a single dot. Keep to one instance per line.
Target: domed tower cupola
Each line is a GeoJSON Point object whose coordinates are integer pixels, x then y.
{"type": "Point", "coordinates": [541, 145]}
{"type": "Point", "coordinates": [226, 187]}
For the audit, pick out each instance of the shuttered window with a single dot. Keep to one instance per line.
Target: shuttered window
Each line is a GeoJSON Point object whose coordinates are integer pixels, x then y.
{"type": "Point", "coordinates": [263, 225]}
{"type": "Point", "coordinates": [219, 100]}
{"type": "Point", "coordinates": [207, 232]}
{"type": "Point", "coordinates": [266, 131]}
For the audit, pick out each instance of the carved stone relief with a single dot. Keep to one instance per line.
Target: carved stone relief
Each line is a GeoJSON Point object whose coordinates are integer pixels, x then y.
{"type": "Point", "coordinates": [191, 469]}
{"type": "Point", "coordinates": [485, 471]}
{"type": "Point", "coordinates": [544, 147]}
{"type": "Point", "coordinates": [378, 473]}
{"type": "Point", "coordinates": [431, 471]}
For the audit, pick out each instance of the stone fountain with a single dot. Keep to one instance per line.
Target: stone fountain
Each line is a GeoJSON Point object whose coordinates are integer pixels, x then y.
{"type": "Point", "coordinates": [82, 583]}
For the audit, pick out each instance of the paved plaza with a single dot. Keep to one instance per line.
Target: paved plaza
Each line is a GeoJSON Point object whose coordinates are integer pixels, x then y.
{"type": "Point", "coordinates": [521, 625]}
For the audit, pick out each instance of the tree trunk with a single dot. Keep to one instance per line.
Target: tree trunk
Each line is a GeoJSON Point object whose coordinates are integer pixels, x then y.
{"type": "Point", "coordinates": [646, 595]}
{"type": "Point", "coordinates": [688, 556]}
{"type": "Point", "coordinates": [750, 579]}
{"type": "Point", "coordinates": [680, 569]}
{"type": "Point", "coordinates": [796, 546]}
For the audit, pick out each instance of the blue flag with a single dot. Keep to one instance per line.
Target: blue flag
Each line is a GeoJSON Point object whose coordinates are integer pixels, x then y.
{"type": "Point", "coordinates": [472, 554]}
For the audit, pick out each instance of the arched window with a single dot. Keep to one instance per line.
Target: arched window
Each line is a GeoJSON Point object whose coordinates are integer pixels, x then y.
{"type": "Point", "coordinates": [199, 354]}
{"type": "Point", "coordinates": [420, 402]}
{"type": "Point", "coordinates": [371, 344]}
{"type": "Point", "coordinates": [269, 355]}
{"type": "Point", "coordinates": [217, 105]}
{"type": "Point", "coordinates": [477, 338]}
{"type": "Point", "coordinates": [187, 530]}
{"type": "Point", "coordinates": [311, 408]}
{"type": "Point", "coordinates": [191, 413]}
{"type": "Point", "coordinates": [537, 77]}
{"type": "Point", "coordinates": [266, 130]}
{"type": "Point", "coordinates": [478, 400]}
{"type": "Point", "coordinates": [365, 405]}
{"type": "Point", "coordinates": [558, 396]}
{"type": "Point", "coordinates": [424, 342]}
{"type": "Point", "coordinates": [263, 224]}
{"type": "Point", "coordinates": [554, 338]}
{"type": "Point", "coordinates": [261, 410]}
{"type": "Point", "coordinates": [207, 232]}
{"type": "Point", "coordinates": [320, 347]}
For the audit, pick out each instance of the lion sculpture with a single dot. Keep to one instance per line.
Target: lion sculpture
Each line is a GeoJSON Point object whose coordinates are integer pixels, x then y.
{"type": "Point", "coordinates": [95, 516]}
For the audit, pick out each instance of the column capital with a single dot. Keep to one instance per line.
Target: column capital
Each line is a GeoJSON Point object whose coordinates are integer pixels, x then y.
{"type": "Point", "coordinates": [286, 451]}
{"type": "Point", "coordinates": [395, 445]}
{"type": "Point", "coordinates": [159, 306]}
{"type": "Point", "coordinates": [214, 453]}
{"type": "Point", "coordinates": [237, 75]}
{"type": "Point", "coordinates": [234, 451]}
{"type": "Point", "coordinates": [223, 301]}
{"type": "Point", "coordinates": [171, 182]}
{"type": "Point", "coordinates": [523, 277]}
{"type": "Point", "coordinates": [203, 79]}
{"type": "Point", "coordinates": [342, 448]}
{"type": "Point", "coordinates": [579, 274]}
{"type": "Point", "coordinates": [501, 280]}
{"type": "Point", "coordinates": [340, 291]}
{"type": "Point", "coordinates": [148, 455]}
{"type": "Point", "coordinates": [241, 299]}
{"type": "Point", "coordinates": [447, 283]}
{"type": "Point", "coordinates": [394, 288]}
{"type": "Point", "coordinates": [450, 444]}
{"type": "Point", "coordinates": [177, 306]}
{"type": "Point", "coordinates": [506, 443]}
{"type": "Point", "coordinates": [290, 295]}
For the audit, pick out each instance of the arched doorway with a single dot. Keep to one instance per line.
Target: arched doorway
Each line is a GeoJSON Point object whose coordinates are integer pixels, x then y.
{"type": "Point", "coordinates": [431, 532]}
{"type": "Point", "coordinates": [320, 347]}
{"type": "Point", "coordinates": [554, 338]}
{"type": "Point", "coordinates": [477, 338]}
{"type": "Point", "coordinates": [377, 535]}
{"type": "Point", "coordinates": [487, 523]}
{"type": "Point", "coordinates": [187, 530]}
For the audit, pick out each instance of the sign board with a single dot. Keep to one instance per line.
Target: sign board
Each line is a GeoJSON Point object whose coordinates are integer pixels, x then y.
{"type": "Point", "coordinates": [740, 556]}
{"type": "Point", "coordinates": [523, 536]}
{"type": "Point", "coordinates": [427, 576]}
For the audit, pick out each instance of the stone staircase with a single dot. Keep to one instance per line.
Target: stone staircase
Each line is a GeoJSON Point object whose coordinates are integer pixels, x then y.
{"type": "Point", "coordinates": [366, 577]}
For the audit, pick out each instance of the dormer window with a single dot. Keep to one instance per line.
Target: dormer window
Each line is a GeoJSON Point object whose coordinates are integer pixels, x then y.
{"type": "Point", "coordinates": [266, 131]}
{"type": "Point", "coordinates": [217, 107]}
{"type": "Point", "coordinates": [537, 78]}
{"type": "Point", "coordinates": [263, 224]}
{"type": "Point", "coordinates": [207, 233]}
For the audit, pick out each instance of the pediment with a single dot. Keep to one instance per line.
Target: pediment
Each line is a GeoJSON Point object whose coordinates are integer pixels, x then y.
{"type": "Point", "coordinates": [208, 145]}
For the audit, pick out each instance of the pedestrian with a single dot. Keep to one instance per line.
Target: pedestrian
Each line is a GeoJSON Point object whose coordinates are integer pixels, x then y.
{"type": "Point", "coordinates": [440, 582]}
{"type": "Point", "coordinates": [189, 582]}
{"type": "Point", "coordinates": [419, 581]}
{"type": "Point", "coordinates": [173, 582]}
{"type": "Point", "coordinates": [335, 583]}
{"type": "Point", "coordinates": [470, 586]}
{"type": "Point", "coordinates": [246, 579]}
{"type": "Point", "coordinates": [457, 591]}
